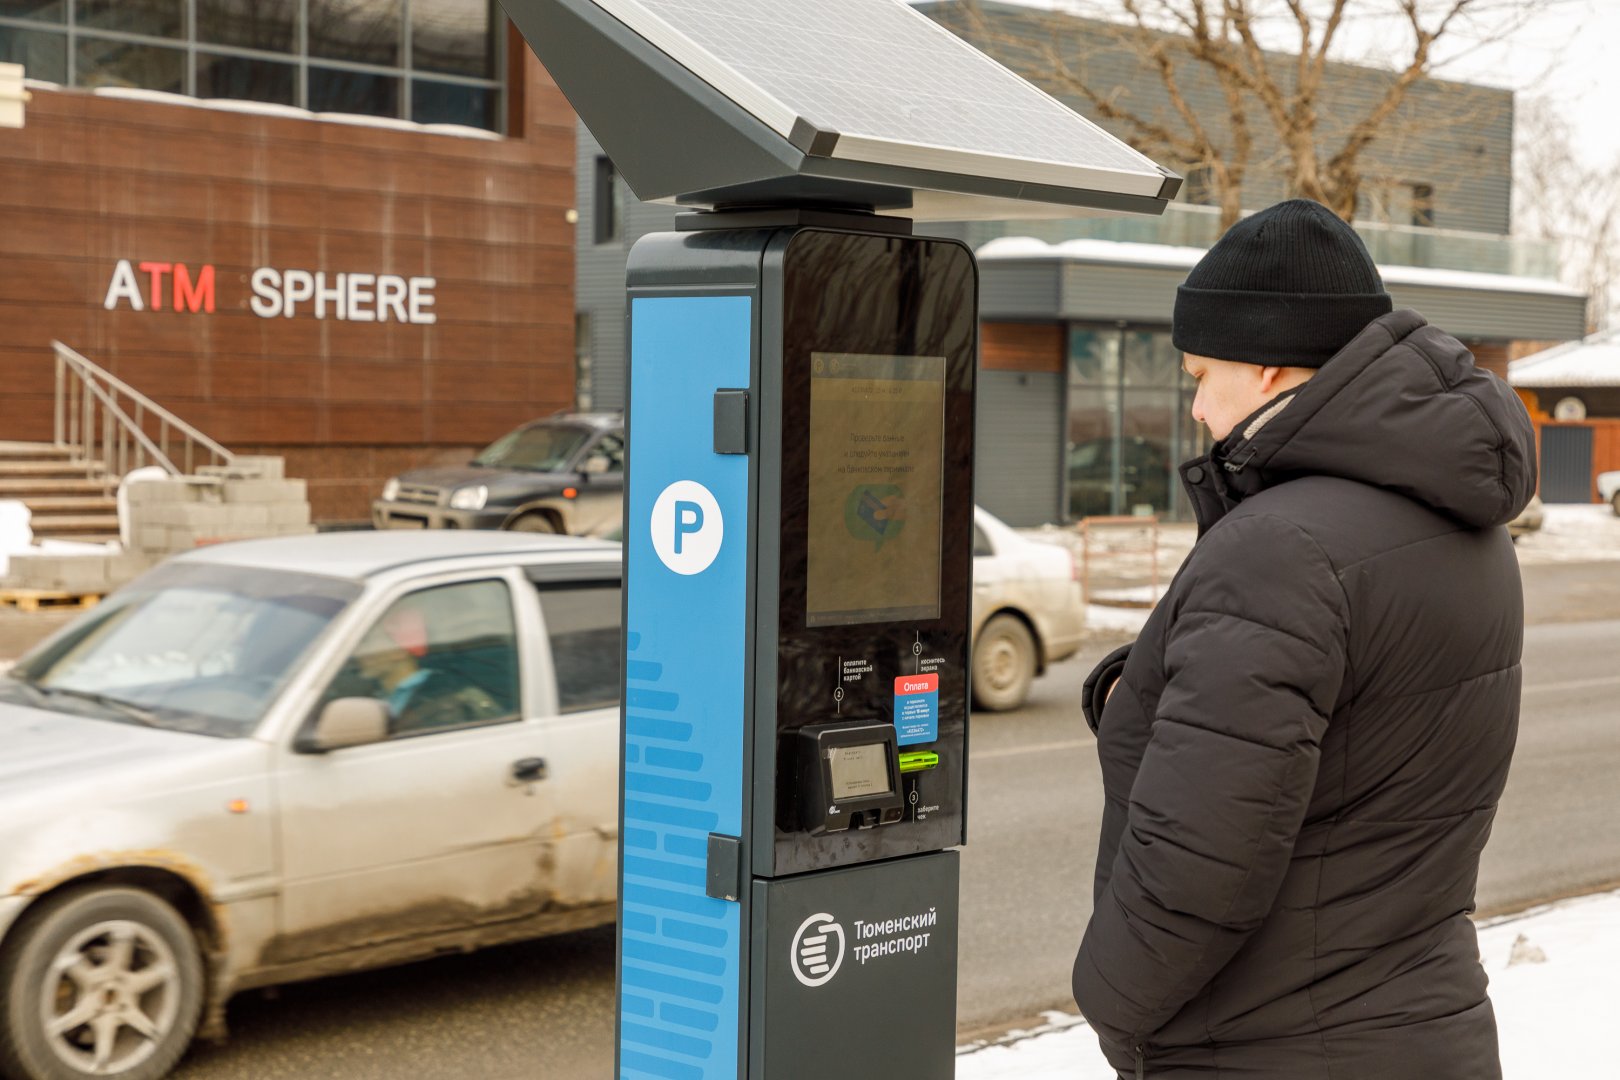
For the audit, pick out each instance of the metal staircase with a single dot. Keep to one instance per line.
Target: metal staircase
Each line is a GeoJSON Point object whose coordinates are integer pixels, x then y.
{"type": "Point", "coordinates": [104, 429]}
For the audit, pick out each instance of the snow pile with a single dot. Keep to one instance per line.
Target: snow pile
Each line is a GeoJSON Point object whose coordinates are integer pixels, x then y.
{"type": "Point", "coordinates": [1105, 618]}
{"type": "Point", "coordinates": [16, 535]}
{"type": "Point", "coordinates": [1573, 533]}
{"type": "Point", "coordinates": [1555, 977]}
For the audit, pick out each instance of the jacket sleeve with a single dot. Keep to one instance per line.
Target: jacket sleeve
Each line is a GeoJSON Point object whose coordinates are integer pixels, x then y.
{"type": "Point", "coordinates": [1254, 661]}
{"type": "Point", "coordinates": [1094, 695]}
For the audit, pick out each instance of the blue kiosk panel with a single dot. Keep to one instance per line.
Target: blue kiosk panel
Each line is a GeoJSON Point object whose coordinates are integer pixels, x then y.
{"type": "Point", "coordinates": [686, 623]}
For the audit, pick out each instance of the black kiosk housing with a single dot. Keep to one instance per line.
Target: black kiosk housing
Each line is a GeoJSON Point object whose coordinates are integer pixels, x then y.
{"type": "Point", "coordinates": [798, 514]}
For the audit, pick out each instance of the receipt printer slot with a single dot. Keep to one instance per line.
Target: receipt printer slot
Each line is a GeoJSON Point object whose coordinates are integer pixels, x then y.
{"type": "Point", "coordinates": [849, 777]}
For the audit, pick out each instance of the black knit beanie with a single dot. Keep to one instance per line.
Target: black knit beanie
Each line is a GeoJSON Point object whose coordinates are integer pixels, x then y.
{"type": "Point", "coordinates": [1288, 286]}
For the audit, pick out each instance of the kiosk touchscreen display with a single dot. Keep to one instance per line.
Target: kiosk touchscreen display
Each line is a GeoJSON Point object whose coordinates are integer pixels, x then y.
{"type": "Point", "coordinates": [858, 771]}
{"type": "Point", "coordinates": [877, 438]}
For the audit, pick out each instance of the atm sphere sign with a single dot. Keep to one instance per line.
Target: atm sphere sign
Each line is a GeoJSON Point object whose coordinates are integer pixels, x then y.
{"type": "Point", "coordinates": [687, 527]}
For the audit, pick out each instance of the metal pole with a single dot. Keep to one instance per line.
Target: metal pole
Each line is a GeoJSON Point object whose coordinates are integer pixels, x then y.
{"type": "Point", "coordinates": [73, 415]}
{"type": "Point", "coordinates": [61, 404]}
{"type": "Point", "coordinates": [87, 433]}
{"type": "Point", "coordinates": [106, 443]}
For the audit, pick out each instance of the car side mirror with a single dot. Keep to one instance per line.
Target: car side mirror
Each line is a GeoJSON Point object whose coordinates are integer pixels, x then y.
{"type": "Point", "coordinates": [347, 722]}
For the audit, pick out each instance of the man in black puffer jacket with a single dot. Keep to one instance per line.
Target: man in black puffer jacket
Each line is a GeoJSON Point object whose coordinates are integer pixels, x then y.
{"type": "Point", "coordinates": [1303, 751]}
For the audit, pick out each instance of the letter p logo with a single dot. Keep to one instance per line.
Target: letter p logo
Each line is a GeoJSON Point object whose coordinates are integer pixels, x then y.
{"type": "Point", "coordinates": [688, 519]}
{"type": "Point", "coordinates": [687, 527]}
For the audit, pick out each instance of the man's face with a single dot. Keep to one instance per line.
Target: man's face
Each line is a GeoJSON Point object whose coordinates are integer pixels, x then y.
{"type": "Point", "coordinates": [1228, 392]}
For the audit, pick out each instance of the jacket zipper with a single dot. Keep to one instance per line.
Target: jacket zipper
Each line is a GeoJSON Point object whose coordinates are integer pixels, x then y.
{"type": "Point", "coordinates": [1141, 1061]}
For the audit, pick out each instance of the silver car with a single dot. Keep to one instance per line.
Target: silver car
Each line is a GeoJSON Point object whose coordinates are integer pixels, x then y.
{"type": "Point", "coordinates": [1027, 612]}
{"type": "Point", "coordinates": [279, 759]}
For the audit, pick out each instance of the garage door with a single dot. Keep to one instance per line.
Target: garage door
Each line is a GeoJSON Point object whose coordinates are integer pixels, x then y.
{"type": "Point", "coordinates": [1566, 464]}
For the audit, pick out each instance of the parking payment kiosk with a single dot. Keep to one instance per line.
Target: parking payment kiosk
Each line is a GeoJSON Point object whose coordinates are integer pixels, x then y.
{"type": "Point", "coordinates": [798, 517]}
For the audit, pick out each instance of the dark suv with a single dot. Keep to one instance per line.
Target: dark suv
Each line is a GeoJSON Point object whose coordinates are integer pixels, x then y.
{"type": "Point", "coordinates": [564, 474]}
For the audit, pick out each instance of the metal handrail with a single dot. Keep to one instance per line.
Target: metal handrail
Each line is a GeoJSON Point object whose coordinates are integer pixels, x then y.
{"type": "Point", "coordinates": [91, 418]}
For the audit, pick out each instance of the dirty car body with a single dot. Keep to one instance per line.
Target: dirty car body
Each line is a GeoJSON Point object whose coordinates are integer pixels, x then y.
{"type": "Point", "coordinates": [166, 741]}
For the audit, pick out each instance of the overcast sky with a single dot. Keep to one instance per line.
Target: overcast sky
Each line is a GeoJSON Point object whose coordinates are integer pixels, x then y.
{"type": "Point", "coordinates": [1558, 54]}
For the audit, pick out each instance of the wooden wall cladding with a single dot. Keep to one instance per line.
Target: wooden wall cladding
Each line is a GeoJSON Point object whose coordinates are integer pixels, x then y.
{"type": "Point", "coordinates": [92, 180]}
{"type": "Point", "coordinates": [1021, 346]}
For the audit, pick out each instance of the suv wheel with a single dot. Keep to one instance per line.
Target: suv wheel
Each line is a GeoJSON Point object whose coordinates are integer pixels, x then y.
{"type": "Point", "coordinates": [1004, 663]}
{"type": "Point", "coordinates": [1615, 502]}
{"type": "Point", "coordinates": [100, 982]}
{"type": "Point", "coordinates": [535, 523]}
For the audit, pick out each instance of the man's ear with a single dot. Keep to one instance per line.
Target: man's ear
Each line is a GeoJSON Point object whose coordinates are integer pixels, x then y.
{"type": "Point", "coordinates": [1268, 379]}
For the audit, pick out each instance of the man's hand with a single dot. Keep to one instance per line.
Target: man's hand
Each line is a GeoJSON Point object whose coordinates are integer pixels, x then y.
{"type": "Point", "coordinates": [1103, 679]}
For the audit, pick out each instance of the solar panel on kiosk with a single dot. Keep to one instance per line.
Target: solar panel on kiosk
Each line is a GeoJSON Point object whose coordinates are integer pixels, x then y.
{"type": "Point", "coordinates": [863, 96]}
{"type": "Point", "coordinates": [894, 86]}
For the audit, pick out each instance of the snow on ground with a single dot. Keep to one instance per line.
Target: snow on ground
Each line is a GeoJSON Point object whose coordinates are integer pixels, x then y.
{"type": "Point", "coordinates": [1573, 533]}
{"type": "Point", "coordinates": [1122, 620]}
{"type": "Point", "coordinates": [1555, 978]}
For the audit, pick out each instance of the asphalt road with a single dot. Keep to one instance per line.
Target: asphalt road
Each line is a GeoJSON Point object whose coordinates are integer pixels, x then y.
{"type": "Point", "coordinates": [543, 1010]}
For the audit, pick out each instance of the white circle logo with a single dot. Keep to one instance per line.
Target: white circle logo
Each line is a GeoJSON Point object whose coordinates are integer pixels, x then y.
{"type": "Point", "coordinates": [687, 527]}
{"type": "Point", "coordinates": [818, 950]}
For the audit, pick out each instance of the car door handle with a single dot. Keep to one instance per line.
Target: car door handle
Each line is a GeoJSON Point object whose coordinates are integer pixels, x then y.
{"type": "Point", "coordinates": [528, 770]}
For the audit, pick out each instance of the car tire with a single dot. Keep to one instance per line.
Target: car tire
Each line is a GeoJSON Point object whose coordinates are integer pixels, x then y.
{"type": "Point", "coordinates": [535, 523]}
{"type": "Point", "coordinates": [140, 986]}
{"type": "Point", "coordinates": [1004, 662]}
{"type": "Point", "coordinates": [1615, 502]}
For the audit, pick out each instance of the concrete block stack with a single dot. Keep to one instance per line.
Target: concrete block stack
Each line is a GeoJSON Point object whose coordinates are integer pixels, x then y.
{"type": "Point", "coordinates": [80, 575]}
{"type": "Point", "coordinates": [248, 499]}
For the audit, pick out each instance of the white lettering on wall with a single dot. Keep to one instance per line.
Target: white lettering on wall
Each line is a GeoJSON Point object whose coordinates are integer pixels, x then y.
{"type": "Point", "coordinates": [279, 294]}
{"type": "Point", "coordinates": [296, 287]}
{"type": "Point", "coordinates": [333, 296]}
{"type": "Point", "coordinates": [266, 302]}
{"type": "Point", "coordinates": [422, 299]}
{"type": "Point", "coordinates": [362, 301]}
{"type": "Point", "coordinates": [391, 292]}
{"type": "Point", "coordinates": [123, 286]}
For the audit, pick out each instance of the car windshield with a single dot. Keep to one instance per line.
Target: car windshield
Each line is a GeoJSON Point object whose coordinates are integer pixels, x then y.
{"type": "Point", "coordinates": [191, 647]}
{"type": "Point", "coordinates": [536, 448]}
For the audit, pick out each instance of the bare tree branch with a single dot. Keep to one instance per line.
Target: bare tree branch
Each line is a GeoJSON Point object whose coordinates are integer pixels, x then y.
{"type": "Point", "coordinates": [1222, 45]}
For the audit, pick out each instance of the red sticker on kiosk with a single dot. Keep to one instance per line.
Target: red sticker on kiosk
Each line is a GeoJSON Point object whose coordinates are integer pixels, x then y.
{"type": "Point", "coordinates": [916, 708]}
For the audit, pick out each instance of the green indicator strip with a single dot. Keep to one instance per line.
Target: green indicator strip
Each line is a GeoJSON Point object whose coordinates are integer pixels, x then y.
{"type": "Point", "coordinates": [918, 760]}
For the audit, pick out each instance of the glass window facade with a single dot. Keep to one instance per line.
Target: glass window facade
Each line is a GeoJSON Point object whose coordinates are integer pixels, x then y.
{"type": "Point", "coordinates": [42, 10]}
{"type": "Point", "coordinates": [433, 61]}
{"type": "Point", "coordinates": [42, 54]}
{"type": "Point", "coordinates": [245, 78]}
{"type": "Point", "coordinates": [269, 25]}
{"type": "Point", "coordinates": [1130, 423]}
{"type": "Point", "coordinates": [107, 62]}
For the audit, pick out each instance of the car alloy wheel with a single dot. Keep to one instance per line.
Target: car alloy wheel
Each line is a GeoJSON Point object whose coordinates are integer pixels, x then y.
{"type": "Point", "coordinates": [110, 997]}
{"type": "Point", "coordinates": [1004, 661]}
{"type": "Point", "coordinates": [99, 982]}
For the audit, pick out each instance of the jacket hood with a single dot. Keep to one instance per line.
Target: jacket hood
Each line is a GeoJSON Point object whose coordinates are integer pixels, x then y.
{"type": "Point", "coordinates": [1401, 407]}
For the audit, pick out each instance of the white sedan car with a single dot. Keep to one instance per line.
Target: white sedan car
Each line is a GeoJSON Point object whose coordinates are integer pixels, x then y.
{"type": "Point", "coordinates": [1608, 485]}
{"type": "Point", "coordinates": [278, 759]}
{"type": "Point", "coordinates": [1027, 612]}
